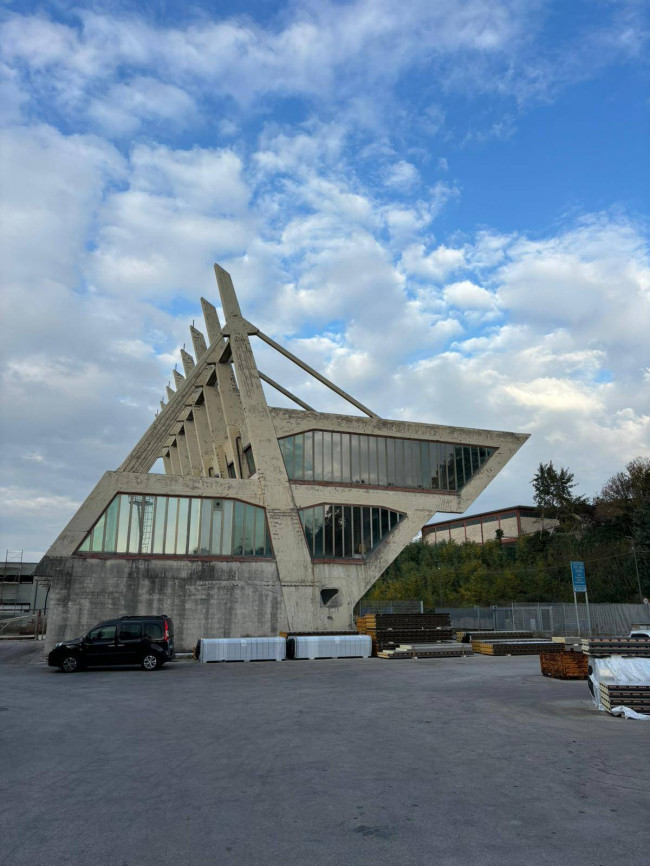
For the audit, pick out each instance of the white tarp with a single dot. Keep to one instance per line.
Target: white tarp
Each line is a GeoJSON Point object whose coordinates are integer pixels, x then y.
{"type": "Point", "coordinates": [332, 646]}
{"type": "Point", "coordinates": [242, 649]}
{"type": "Point", "coordinates": [619, 671]}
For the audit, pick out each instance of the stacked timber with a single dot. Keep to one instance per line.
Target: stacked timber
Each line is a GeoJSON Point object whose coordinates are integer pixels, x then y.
{"type": "Point", "coordinates": [616, 646]}
{"type": "Point", "coordinates": [389, 630]}
{"type": "Point", "coordinates": [515, 647]}
{"type": "Point", "coordinates": [445, 649]}
{"type": "Point", "coordinates": [564, 665]}
{"type": "Point", "coordinates": [468, 635]}
{"type": "Point", "coordinates": [635, 697]}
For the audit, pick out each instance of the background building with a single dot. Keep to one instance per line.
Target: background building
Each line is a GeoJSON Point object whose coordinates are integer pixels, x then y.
{"type": "Point", "coordinates": [514, 521]}
{"type": "Point", "coordinates": [266, 519]}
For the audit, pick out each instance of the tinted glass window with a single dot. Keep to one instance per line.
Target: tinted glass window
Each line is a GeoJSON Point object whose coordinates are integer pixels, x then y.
{"type": "Point", "coordinates": [104, 632]}
{"type": "Point", "coordinates": [154, 630]}
{"type": "Point", "coordinates": [130, 631]}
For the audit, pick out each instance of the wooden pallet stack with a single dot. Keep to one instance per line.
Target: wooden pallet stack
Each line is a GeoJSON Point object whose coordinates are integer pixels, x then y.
{"type": "Point", "coordinates": [616, 646]}
{"type": "Point", "coordinates": [389, 630]}
{"type": "Point", "coordinates": [635, 697]}
{"type": "Point", "coordinates": [515, 647]}
{"type": "Point", "coordinates": [564, 665]}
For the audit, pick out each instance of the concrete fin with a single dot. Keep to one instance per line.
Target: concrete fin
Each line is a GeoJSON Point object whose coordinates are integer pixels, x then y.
{"type": "Point", "coordinates": [179, 379]}
{"type": "Point", "coordinates": [229, 300]}
{"type": "Point", "coordinates": [188, 362]}
{"type": "Point", "coordinates": [212, 323]}
{"type": "Point", "coordinates": [198, 341]}
{"type": "Point", "coordinates": [170, 392]}
{"type": "Point", "coordinates": [162, 404]}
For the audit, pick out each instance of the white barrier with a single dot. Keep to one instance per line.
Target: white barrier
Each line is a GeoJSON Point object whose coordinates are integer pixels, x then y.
{"type": "Point", "coordinates": [332, 646]}
{"type": "Point", "coordinates": [242, 649]}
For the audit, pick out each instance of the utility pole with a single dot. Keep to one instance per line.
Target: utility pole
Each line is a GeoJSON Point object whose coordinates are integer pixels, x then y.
{"type": "Point", "coordinates": [636, 567]}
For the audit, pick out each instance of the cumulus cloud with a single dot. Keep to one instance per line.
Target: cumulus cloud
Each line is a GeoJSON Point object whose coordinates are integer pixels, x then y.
{"type": "Point", "coordinates": [332, 226]}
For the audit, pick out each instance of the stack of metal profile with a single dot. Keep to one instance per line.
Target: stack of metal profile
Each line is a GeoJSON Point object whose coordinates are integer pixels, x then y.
{"type": "Point", "coordinates": [468, 635]}
{"type": "Point", "coordinates": [445, 649]}
{"type": "Point", "coordinates": [637, 698]}
{"type": "Point", "coordinates": [515, 647]}
{"type": "Point", "coordinates": [389, 630]}
{"type": "Point", "coordinates": [599, 647]}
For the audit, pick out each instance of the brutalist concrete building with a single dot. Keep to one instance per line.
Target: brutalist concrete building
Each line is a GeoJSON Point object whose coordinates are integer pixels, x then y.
{"type": "Point", "coordinates": [266, 519]}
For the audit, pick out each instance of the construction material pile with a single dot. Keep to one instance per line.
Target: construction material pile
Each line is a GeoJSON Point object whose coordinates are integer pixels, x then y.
{"type": "Point", "coordinates": [634, 697]}
{"type": "Point", "coordinates": [599, 647]}
{"type": "Point", "coordinates": [449, 649]}
{"type": "Point", "coordinates": [468, 635]}
{"type": "Point", "coordinates": [515, 647]}
{"type": "Point", "coordinates": [564, 665]}
{"type": "Point", "coordinates": [389, 630]}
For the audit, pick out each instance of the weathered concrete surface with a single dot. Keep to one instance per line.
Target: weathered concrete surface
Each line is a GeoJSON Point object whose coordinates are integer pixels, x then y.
{"type": "Point", "coordinates": [205, 599]}
{"type": "Point", "coordinates": [448, 762]}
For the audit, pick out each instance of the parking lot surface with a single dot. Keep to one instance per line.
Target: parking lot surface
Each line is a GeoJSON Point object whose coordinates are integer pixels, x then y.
{"type": "Point", "coordinates": [441, 761]}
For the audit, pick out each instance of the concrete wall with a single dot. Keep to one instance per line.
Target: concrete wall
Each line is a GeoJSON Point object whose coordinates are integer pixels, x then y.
{"type": "Point", "coordinates": [205, 599]}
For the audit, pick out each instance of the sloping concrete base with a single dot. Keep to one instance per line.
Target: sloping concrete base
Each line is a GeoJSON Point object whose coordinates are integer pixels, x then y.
{"type": "Point", "coordinates": [205, 599]}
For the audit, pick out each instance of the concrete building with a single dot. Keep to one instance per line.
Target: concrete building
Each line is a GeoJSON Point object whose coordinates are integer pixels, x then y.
{"type": "Point", "coordinates": [267, 519]}
{"type": "Point", "coordinates": [514, 522]}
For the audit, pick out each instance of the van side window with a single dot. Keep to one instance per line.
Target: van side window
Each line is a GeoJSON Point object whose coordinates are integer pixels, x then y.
{"type": "Point", "coordinates": [154, 630]}
{"type": "Point", "coordinates": [104, 632]}
{"type": "Point", "coordinates": [130, 631]}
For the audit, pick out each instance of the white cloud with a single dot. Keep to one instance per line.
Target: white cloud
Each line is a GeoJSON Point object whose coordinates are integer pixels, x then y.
{"type": "Point", "coordinates": [126, 106]}
{"type": "Point", "coordinates": [402, 175]}
{"type": "Point", "coordinates": [436, 265]}
{"type": "Point", "coordinates": [467, 295]}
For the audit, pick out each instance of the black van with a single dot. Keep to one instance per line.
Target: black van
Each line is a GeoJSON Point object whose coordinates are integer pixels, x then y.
{"type": "Point", "coordinates": [129, 640]}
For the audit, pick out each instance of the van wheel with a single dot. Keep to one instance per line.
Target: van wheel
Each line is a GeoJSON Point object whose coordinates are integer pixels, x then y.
{"type": "Point", "coordinates": [151, 662]}
{"type": "Point", "coordinates": [70, 664]}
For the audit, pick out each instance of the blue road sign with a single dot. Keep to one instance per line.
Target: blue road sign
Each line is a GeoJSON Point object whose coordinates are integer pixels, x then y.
{"type": "Point", "coordinates": [579, 577]}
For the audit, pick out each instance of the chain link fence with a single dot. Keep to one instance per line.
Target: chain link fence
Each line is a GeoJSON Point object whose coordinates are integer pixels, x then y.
{"type": "Point", "coordinates": [552, 619]}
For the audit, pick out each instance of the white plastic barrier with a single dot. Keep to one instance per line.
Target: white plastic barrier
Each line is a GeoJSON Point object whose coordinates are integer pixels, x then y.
{"type": "Point", "coordinates": [242, 649]}
{"type": "Point", "coordinates": [618, 671]}
{"type": "Point", "coordinates": [332, 646]}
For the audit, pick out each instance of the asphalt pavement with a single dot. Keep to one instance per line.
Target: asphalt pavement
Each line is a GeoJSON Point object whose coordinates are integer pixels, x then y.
{"type": "Point", "coordinates": [438, 761]}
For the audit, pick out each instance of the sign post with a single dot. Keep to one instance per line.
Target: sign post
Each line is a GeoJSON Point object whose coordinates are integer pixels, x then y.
{"type": "Point", "coordinates": [579, 579]}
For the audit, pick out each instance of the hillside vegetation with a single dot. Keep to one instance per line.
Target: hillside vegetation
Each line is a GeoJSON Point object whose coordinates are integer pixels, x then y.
{"type": "Point", "coordinates": [605, 533]}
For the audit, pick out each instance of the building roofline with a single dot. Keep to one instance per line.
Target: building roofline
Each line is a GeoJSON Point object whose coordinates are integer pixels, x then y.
{"type": "Point", "coordinates": [458, 521]}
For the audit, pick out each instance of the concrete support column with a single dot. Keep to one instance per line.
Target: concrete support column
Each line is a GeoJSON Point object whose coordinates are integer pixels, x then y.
{"type": "Point", "coordinates": [175, 460]}
{"type": "Point", "coordinates": [205, 440]}
{"type": "Point", "coordinates": [183, 454]}
{"type": "Point", "coordinates": [191, 437]}
{"type": "Point", "coordinates": [167, 463]}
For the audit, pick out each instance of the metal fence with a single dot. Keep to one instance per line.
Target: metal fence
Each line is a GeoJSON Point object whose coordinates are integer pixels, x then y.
{"type": "Point", "coordinates": [552, 619]}
{"type": "Point", "coordinates": [411, 606]}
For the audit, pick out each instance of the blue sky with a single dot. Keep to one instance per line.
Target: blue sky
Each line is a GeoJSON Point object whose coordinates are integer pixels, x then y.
{"type": "Point", "coordinates": [442, 205]}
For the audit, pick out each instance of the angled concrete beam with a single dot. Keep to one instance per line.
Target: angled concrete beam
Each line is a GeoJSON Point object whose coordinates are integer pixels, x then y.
{"type": "Point", "coordinates": [198, 341]}
{"type": "Point", "coordinates": [188, 362]}
{"type": "Point", "coordinates": [179, 379]}
{"type": "Point", "coordinates": [284, 391]}
{"type": "Point", "coordinates": [315, 374]}
{"type": "Point", "coordinates": [212, 324]}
